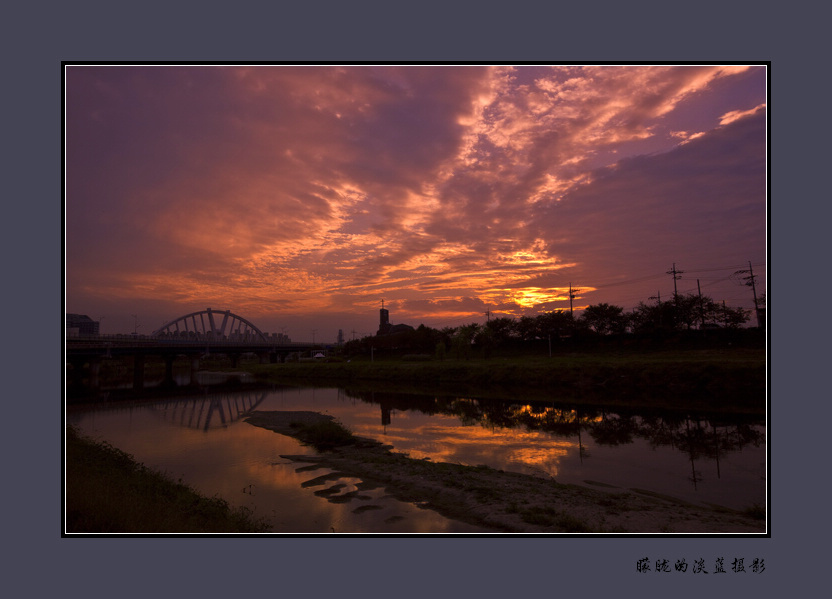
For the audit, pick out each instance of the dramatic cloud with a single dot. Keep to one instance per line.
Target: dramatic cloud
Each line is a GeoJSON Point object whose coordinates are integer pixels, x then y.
{"type": "Point", "coordinates": [308, 194]}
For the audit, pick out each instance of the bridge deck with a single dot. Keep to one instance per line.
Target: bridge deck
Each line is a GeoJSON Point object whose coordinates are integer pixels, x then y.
{"type": "Point", "coordinates": [123, 343]}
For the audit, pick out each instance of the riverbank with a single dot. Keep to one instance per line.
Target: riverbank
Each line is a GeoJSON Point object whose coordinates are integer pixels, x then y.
{"type": "Point", "coordinates": [711, 380]}
{"type": "Point", "coordinates": [108, 492]}
{"type": "Point", "coordinates": [504, 502]}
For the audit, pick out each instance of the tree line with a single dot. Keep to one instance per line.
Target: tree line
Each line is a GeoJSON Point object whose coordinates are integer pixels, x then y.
{"type": "Point", "coordinates": [683, 312]}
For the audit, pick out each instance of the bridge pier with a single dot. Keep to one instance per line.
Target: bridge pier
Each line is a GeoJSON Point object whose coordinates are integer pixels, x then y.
{"type": "Point", "coordinates": [138, 371]}
{"type": "Point", "coordinates": [194, 369]}
{"type": "Point", "coordinates": [169, 380]}
{"type": "Point", "coordinates": [95, 370]}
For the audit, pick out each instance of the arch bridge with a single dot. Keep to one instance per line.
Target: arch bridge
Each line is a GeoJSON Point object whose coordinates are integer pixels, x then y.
{"type": "Point", "coordinates": [193, 335]}
{"type": "Point", "coordinates": [206, 324]}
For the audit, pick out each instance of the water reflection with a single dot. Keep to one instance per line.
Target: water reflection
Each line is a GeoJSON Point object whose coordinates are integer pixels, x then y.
{"type": "Point", "coordinates": [203, 439]}
{"type": "Point", "coordinates": [698, 436]}
{"type": "Point", "coordinates": [199, 410]}
{"type": "Point", "coordinates": [213, 410]}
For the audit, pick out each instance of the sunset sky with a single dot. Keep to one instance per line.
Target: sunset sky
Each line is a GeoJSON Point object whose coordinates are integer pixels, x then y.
{"type": "Point", "coordinates": [299, 197]}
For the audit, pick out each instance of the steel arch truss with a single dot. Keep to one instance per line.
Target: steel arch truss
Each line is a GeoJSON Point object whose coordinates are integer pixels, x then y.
{"type": "Point", "coordinates": [212, 325]}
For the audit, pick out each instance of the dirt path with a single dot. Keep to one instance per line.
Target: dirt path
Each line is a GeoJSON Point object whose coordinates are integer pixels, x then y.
{"type": "Point", "coordinates": [506, 501]}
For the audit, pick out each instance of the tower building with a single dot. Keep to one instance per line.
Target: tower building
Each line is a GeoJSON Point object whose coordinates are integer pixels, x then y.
{"type": "Point", "coordinates": [383, 320]}
{"type": "Point", "coordinates": [384, 326]}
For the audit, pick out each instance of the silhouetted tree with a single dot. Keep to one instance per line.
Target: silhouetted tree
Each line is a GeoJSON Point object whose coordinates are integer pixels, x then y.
{"type": "Point", "coordinates": [731, 318]}
{"type": "Point", "coordinates": [687, 311]}
{"type": "Point", "coordinates": [605, 319]}
{"type": "Point", "coordinates": [527, 328]}
{"type": "Point", "coordinates": [485, 341]}
{"type": "Point", "coordinates": [462, 340]}
{"type": "Point", "coordinates": [503, 329]}
{"type": "Point", "coordinates": [652, 318]}
{"type": "Point", "coordinates": [554, 324]}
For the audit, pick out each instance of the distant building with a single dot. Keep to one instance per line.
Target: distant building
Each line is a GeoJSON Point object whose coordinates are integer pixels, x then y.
{"type": "Point", "coordinates": [384, 326]}
{"type": "Point", "coordinates": [340, 336]}
{"type": "Point", "coordinates": [384, 320]}
{"type": "Point", "coordinates": [277, 338]}
{"type": "Point", "coordinates": [80, 325]}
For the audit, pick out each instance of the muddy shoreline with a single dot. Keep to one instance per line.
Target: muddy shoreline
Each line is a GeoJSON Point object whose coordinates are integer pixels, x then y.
{"type": "Point", "coordinates": [505, 502]}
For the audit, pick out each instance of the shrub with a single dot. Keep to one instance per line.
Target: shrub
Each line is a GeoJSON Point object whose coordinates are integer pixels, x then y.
{"type": "Point", "coordinates": [324, 435]}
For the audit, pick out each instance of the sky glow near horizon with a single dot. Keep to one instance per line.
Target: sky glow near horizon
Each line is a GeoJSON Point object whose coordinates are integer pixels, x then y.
{"type": "Point", "coordinates": [299, 197]}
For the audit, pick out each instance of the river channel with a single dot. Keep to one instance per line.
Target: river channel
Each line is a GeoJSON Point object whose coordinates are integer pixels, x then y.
{"type": "Point", "coordinates": [203, 440]}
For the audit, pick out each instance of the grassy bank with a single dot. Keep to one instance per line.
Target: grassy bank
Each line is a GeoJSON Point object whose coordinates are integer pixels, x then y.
{"type": "Point", "coordinates": [732, 380]}
{"type": "Point", "coordinates": [107, 491]}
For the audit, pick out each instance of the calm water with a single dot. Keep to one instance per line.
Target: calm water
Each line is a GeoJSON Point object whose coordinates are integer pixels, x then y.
{"type": "Point", "coordinates": [203, 440]}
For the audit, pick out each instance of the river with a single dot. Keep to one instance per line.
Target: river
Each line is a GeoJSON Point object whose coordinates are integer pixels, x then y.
{"type": "Point", "coordinates": [203, 440]}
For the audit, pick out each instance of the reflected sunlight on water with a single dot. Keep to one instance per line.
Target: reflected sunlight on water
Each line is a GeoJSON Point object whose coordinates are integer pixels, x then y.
{"type": "Point", "coordinates": [204, 441]}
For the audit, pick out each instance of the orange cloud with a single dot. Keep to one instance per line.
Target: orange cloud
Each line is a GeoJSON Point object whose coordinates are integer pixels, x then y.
{"type": "Point", "coordinates": [730, 117]}
{"type": "Point", "coordinates": [324, 188]}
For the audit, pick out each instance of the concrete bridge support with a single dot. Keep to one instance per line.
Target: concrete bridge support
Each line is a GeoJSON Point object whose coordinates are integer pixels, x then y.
{"type": "Point", "coordinates": [194, 370]}
{"type": "Point", "coordinates": [138, 371]}
{"type": "Point", "coordinates": [95, 370]}
{"type": "Point", "coordinates": [169, 380]}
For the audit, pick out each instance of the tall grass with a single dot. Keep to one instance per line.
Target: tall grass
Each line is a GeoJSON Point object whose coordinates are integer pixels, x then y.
{"type": "Point", "coordinates": [107, 491]}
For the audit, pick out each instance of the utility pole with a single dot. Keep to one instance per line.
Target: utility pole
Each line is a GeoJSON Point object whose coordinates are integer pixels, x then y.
{"type": "Point", "coordinates": [353, 334]}
{"type": "Point", "coordinates": [572, 295]}
{"type": "Point", "coordinates": [750, 282]}
{"type": "Point", "coordinates": [701, 305]}
{"type": "Point", "coordinates": [487, 315]}
{"type": "Point", "coordinates": [677, 274]}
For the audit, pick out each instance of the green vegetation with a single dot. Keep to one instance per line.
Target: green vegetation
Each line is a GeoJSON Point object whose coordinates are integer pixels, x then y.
{"type": "Point", "coordinates": [689, 352]}
{"type": "Point", "coordinates": [730, 379]}
{"type": "Point", "coordinates": [323, 435]}
{"type": "Point", "coordinates": [686, 319]}
{"type": "Point", "coordinates": [107, 491]}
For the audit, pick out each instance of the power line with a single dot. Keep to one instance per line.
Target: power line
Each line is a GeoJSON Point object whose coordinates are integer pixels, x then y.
{"type": "Point", "coordinates": [732, 267]}
{"type": "Point", "coordinates": [628, 282]}
{"type": "Point", "coordinates": [659, 276]}
{"type": "Point", "coordinates": [710, 282]}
